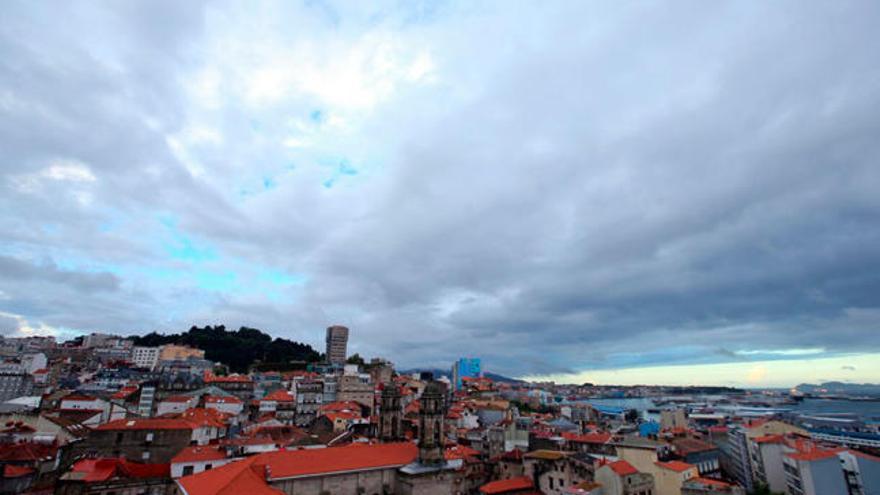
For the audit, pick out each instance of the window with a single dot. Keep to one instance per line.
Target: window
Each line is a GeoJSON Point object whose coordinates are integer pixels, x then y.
{"type": "Point", "coordinates": [146, 455]}
{"type": "Point", "coordinates": [149, 437]}
{"type": "Point", "coordinates": [187, 470]}
{"type": "Point", "coordinates": [208, 466]}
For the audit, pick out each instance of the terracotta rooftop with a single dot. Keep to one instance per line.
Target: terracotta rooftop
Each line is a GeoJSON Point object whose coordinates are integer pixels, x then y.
{"type": "Point", "coordinates": [249, 475]}
{"type": "Point", "coordinates": [623, 468]}
{"type": "Point", "coordinates": [97, 470]}
{"type": "Point", "coordinates": [217, 399]}
{"type": "Point", "coordinates": [178, 399]}
{"type": "Point", "coordinates": [460, 452]}
{"type": "Point", "coordinates": [592, 438]}
{"type": "Point", "coordinates": [675, 465]}
{"type": "Point", "coordinates": [710, 482]}
{"type": "Point", "coordinates": [147, 424]}
{"type": "Point", "coordinates": [13, 471]}
{"type": "Point", "coordinates": [506, 486]}
{"type": "Point", "coordinates": [279, 395]}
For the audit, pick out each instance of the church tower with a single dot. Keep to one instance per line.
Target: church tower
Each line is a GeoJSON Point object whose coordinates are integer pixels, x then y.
{"type": "Point", "coordinates": [431, 434]}
{"type": "Point", "coordinates": [390, 424]}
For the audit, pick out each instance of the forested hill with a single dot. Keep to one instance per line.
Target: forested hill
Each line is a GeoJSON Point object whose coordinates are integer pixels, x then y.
{"type": "Point", "coordinates": [238, 349]}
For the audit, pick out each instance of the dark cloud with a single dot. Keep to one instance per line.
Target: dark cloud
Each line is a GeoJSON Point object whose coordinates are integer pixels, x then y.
{"type": "Point", "coordinates": [16, 271]}
{"type": "Point", "coordinates": [568, 187]}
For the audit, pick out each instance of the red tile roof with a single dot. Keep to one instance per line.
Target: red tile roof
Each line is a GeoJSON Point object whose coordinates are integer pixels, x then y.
{"type": "Point", "coordinates": [509, 485]}
{"type": "Point", "coordinates": [13, 471]}
{"type": "Point", "coordinates": [217, 399]}
{"type": "Point", "coordinates": [623, 468]}
{"type": "Point", "coordinates": [178, 399]}
{"type": "Point", "coordinates": [675, 465]}
{"type": "Point", "coordinates": [710, 482]}
{"type": "Point", "coordinates": [687, 446]}
{"type": "Point", "coordinates": [513, 455]}
{"type": "Point", "coordinates": [147, 424]}
{"type": "Point", "coordinates": [346, 405]}
{"type": "Point", "coordinates": [346, 458]}
{"type": "Point", "coordinates": [279, 395]}
{"type": "Point", "coordinates": [460, 452]}
{"type": "Point", "coordinates": [124, 392]}
{"type": "Point", "coordinates": [242, 477]}
{"type": "Point", "coordinates": [201, 417]}
{"type": "Point", "coordinates": [343, 415]}
{"type": "Point", "coordinates": [248, 475]}
{"type": "Point", "coordinates": [78, 398]}
{"type": "Point", "coordinates": [28, 452]}
{"type": "Point", "coordinates": [593, 438]}
{"type": "Point", "coordinates": [199, 453]}
{"type": "Point", "coordinates": [96, 470]}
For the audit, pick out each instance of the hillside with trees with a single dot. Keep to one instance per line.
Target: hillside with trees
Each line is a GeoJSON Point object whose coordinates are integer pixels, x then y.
{"type": "Point", "coordinates": [238, 349]}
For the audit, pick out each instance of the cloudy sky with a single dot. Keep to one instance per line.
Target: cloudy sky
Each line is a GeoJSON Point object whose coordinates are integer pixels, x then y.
{"type": "Point", "coordinates": [678, 192]}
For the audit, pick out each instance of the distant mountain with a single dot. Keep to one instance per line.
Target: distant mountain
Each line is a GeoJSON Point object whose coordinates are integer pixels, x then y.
{"type": "Point", "coordinates": [238, 349]}
{"type": "Point", "coordinates": [495, 377]}
{"type": "Point", "coordinates": [840, 388]}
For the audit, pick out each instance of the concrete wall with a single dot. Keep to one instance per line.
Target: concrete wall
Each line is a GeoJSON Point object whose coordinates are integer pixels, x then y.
{"type": "Point", "coordinates": [823, 477]}
{"type": "Point", "coordinates": [372, 483]}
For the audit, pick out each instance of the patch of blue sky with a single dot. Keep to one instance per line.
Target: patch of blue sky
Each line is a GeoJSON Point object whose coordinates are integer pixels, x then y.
{"type": "Point", "coordinates": [316, 116]}
{"type": "Point", "coordinates": [185, 250]}
{"type": "Point", "coordinates": [269, 183]}
{"type": "Point", "coordinates": [342, 168]}
{"type": "Point", "coordinates": [182, 247]}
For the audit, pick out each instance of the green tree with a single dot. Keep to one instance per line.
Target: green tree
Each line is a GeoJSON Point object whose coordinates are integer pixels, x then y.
{"type": "Point", "coordinates": [355, 359]}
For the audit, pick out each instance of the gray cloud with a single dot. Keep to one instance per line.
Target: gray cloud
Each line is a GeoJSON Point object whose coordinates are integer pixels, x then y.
{"type": "Point", "coordinates": [572, 187]}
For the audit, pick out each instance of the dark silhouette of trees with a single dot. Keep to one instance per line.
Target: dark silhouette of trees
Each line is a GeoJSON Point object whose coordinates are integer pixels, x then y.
{"type": "Point", "coordinates": [238, 349]}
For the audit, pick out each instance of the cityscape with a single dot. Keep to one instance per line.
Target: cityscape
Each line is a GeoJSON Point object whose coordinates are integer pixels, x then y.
{"type": "Point", "coordinates": [101, 414]}
{"type": "Point", "coordinates": [439, 247]}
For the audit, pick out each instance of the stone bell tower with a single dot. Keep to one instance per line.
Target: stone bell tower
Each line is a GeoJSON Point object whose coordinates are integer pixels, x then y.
{"type": "Point", "coordinates": [431, 433]}
{"type": "Point", "coordinates": [390, 416]}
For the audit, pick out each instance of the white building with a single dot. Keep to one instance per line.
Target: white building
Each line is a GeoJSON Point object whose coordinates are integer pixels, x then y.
{"type": "Point", "coordinates": [229, 405]}
{"type": "Point", "coordinates": [33, 362]}
{"type": "Point", "coordinates": [145, 357]}
{"type": "Point", "coordinates": [176, 404]}
{"type": "Point", "coordinates": [196, 459]}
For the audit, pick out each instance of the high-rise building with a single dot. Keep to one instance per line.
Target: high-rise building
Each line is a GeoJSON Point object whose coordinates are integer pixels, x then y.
{"type": "Point", "coordinates": [465, 367]}
{"type": "Point", "coordinates": [337, 341]}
